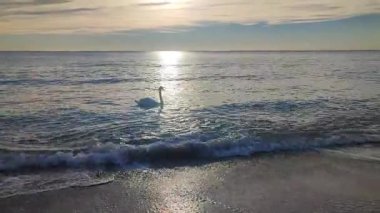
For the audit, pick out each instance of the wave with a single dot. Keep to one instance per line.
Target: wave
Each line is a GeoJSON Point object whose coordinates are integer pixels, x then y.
{"type": "Point", "coordinates": [122, 156]}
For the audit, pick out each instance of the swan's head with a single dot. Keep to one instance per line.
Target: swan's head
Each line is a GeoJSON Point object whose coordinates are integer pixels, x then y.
{"type": "Point", "coordinates": [161, 88]}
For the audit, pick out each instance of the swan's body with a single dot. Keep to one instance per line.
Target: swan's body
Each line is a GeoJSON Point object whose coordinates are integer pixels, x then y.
{"type": "Point", "coordinates": [147, 103]}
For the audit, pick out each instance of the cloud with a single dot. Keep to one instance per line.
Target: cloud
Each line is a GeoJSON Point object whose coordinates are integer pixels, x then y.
{"type": "Point", "coordinates": [315, 7]}
{"type": "Point", "coordinates": [226, 4]}
{"type": "Point", "coordinates": [51, 12]}
{"type": "Point", "coordinates": [15, 8]}
{"type": "Point", "coordinates": [16, 3]}
{"type": "Point", "coordinates": [99, 16]}
{"type": "Point", "coordinates": [50, 1]}
{"type": "Point", "coordinates": [149, 4]}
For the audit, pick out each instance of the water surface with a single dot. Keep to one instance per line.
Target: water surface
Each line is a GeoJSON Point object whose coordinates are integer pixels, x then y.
{"type": "Point", "coordinates": [76, 109]}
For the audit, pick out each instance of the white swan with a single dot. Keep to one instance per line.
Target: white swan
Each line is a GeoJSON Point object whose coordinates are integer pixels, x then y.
{"type": "Point", "coordinates": [147, 103]}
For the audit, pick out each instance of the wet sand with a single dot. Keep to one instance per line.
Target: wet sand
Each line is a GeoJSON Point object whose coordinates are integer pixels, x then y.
{"type": "Point", "coordinates": [326, 181]}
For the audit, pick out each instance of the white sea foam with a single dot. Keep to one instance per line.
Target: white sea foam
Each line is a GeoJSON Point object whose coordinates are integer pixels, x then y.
{"type": "Point", "coordinates": [26, 184]}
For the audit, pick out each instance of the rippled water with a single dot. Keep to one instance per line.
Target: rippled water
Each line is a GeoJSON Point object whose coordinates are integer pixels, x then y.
{"type": "Point", "coordinates": [77, 109]}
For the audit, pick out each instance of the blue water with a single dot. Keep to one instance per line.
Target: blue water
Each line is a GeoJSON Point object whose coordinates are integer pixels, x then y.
{"type": "Point", "coordinates": [77, 109]}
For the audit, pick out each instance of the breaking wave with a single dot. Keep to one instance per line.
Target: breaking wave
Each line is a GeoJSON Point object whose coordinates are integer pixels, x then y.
{"type": "Point", "coordinates": [110, 155]}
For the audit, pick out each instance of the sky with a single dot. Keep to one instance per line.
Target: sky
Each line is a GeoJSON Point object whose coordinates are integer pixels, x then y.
{"type": "Point", "coordinates": [147, 25]}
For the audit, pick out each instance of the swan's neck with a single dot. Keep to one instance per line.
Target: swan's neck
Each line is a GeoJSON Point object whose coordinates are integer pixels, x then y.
{"type": "Point", "coordinates": [161, 100]}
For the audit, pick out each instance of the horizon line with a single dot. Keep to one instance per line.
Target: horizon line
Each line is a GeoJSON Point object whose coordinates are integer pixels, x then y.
{"type": "Point", "coordinates": [322, 50]}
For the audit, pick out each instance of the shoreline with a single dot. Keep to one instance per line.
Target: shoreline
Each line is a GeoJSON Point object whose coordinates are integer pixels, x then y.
{"type": "Point", "coordinates": [285, 182]}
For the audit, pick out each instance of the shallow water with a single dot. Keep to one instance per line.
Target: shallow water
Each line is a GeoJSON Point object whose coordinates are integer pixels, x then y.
{"type": "Point", "coordinates": [77, 109]}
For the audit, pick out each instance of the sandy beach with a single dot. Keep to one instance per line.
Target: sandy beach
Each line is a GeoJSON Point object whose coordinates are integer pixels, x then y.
{"type": "Point", "coordinates": [326, 181]}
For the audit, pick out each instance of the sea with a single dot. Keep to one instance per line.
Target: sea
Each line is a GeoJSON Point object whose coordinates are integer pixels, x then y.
{"type": "Point", "coordinates": [70, 118]}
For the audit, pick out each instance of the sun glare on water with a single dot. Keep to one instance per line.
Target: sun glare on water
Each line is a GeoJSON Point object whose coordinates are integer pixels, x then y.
{"type": "Point", "coordinates": [169, 57]}
{"type": "Point", "coordinates": [170, 70]}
